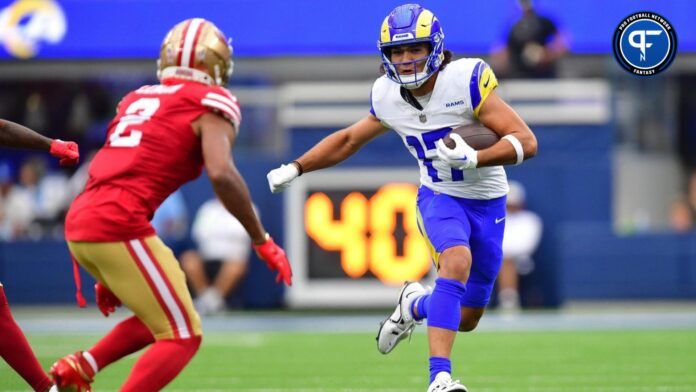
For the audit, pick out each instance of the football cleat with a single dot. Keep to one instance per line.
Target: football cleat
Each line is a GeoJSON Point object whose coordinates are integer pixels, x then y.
{"type": "Point", "coordinates": [443, 383]}
{"type": "Point", "coordinates": [196, 49]}
{"type": "Point", "coordinates": [400, 324]}
{"type": "Point", "coordinates": [72, 373]}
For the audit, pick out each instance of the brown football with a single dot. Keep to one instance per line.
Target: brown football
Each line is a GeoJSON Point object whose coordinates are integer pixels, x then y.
{"type": "Point", "coordinates": [475, 135]}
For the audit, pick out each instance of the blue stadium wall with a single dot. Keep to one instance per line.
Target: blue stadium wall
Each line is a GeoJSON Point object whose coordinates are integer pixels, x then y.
{"type": "Point", "coordinates": [310, 27]}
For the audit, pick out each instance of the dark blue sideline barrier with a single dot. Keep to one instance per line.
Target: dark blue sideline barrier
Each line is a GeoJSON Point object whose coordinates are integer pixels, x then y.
{"type": "Point", "coordinates": [599, 264]}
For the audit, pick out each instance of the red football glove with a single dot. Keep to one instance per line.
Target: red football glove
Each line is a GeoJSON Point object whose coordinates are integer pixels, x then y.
{"type": "Point", "coordinates": [275, 258]}
{"type": "Point", "coordinates": [106, 300]}
{"type": "Point", "coordinates": [67, 152]}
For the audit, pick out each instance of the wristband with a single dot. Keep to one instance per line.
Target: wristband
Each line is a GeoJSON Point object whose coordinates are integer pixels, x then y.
{"type": "Point", "coordinates": [517, 146]}
{"type": "Point", "coordinates": [300, 169]}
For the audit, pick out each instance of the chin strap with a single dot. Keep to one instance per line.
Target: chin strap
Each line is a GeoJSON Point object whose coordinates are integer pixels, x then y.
{"type": "Point", "coordinates": [408, 97]}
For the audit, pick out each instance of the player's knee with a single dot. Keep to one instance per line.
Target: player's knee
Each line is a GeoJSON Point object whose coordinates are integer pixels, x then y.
{"type": "Point", "coordinates": [190, 343]}
{"type": "Point", "coordinates": [469, 324]}
{"type": "Point", "coordinates": [457, 270]}
{"type": "Point", "coordinates": [455, 263]}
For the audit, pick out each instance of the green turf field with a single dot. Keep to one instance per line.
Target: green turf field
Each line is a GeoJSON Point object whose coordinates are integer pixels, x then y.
{"type": "Point", "coordinates": [487, 361]}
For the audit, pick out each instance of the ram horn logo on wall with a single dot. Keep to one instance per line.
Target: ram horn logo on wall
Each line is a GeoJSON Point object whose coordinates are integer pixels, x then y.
{"type": "Point", "coordinates": [24, 24]}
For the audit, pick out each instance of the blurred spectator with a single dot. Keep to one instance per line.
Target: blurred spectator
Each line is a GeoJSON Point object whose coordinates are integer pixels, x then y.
{"type": "Point", "coordinates": [35, 115]}
{"type": "Point", "coordinates": [220, 262]}
{"type": "Point", "coordinates": [171, 222]}
{"type": "Point", "coordinates": [531, 47]}
{"type": "Point", "coordinates": [691, 189]}
{"type": "Point", "coordinates": [36, 205]}
{"type": "Point", "coordinates": [686, 108]}
{"type": "Point", "coordinates": [681, 218]}
{"type": "Point", "coordinates": [522, 236]}
{"type": "Point", "coordinates": [18, 204]}
{"type": "Point", "coordinates": [52, 198]}
{"type": "Point", "coordinates": [78, 181]}
{"type": "Point", "coordinates": [5, 189]}
{"type": "Point", "coordinates": [682, 210]}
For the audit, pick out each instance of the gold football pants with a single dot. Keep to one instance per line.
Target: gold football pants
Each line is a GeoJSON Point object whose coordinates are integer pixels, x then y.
{"type": "Point", "coordinates": [146, 277]}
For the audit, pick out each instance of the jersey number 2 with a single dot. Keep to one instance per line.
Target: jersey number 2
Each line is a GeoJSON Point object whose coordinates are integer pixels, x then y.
{"type": "Point", "coordinates": [137, 113]}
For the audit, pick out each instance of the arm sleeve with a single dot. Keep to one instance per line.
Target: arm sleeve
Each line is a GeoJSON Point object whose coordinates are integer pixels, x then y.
{"type": "Point", "coordinates": [372, 106]}
{"type": "Point", "coordinates": [482, 82]}
{"type": "Point", "coordinates": [221, 101]}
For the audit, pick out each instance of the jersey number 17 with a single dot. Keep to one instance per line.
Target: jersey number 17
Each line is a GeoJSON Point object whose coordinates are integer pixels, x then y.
{"type": "Point", "coordinates": [429, 139]}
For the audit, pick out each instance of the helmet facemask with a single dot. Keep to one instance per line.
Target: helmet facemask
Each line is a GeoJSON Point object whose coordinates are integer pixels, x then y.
{"type": "Point", "coordinates": [431, 64]}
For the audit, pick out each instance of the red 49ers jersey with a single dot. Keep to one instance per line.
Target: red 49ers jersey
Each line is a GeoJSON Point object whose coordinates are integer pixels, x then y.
{"type": "Point", "coordinates": [150, 151]}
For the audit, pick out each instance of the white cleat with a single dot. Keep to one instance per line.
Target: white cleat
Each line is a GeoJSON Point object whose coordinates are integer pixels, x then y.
{"type": "Point", "coordinates": [443, 383]}
{"type": "Point", "coordinates": [400, 324]}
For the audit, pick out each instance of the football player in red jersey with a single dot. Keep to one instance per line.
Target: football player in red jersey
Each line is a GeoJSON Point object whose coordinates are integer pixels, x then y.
{"type": "Point", "coordinates": [161, 138]}
{"type": "Point", "coordinates": [14, 347]}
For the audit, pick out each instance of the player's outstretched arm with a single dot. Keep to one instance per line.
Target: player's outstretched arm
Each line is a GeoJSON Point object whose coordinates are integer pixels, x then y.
{"type": "Point", "coordinates": [517, 140]}
{"type": "Point", "coordinates": [217, 138]}
{"type": "Point", "coordinates": [330, 151]}
{"type": "Point", "coordinates": [17, 136]}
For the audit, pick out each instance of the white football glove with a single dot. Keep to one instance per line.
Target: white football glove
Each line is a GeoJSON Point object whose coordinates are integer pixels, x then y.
{"type": "Point", "coordinates": [462, 156]}
{"type": "Point", "coordinates": [280, 178]}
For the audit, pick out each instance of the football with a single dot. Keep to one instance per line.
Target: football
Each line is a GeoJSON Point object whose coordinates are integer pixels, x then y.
{"type": "Point", "coordinates": [475, 135]}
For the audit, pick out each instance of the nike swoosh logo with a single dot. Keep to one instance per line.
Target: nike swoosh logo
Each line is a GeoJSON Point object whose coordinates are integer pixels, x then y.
{"type": "Point", "coordinates": [498, 220]}
{"type": "Point", "coordinates": [488, 80]}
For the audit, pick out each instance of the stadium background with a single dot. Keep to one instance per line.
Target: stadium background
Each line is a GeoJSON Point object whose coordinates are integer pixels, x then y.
{"type": "Point", "coordinates": [614, 150]}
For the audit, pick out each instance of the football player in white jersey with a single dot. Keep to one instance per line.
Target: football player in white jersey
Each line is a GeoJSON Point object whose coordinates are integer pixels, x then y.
{"type": "Point", "coordinates": [422, 96]}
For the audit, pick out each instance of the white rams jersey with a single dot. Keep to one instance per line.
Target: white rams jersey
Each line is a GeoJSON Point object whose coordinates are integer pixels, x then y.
{"type": "Point", "coordinates": [460, 90]}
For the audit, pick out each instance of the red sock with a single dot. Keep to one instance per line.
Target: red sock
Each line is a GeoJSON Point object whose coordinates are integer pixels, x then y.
{"type": "Point", "coordinates": [128, 336]}
{"type": "Point", "coordinates": [158, 366]}
{"type": "Point", "coordinates": [15, 349]}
